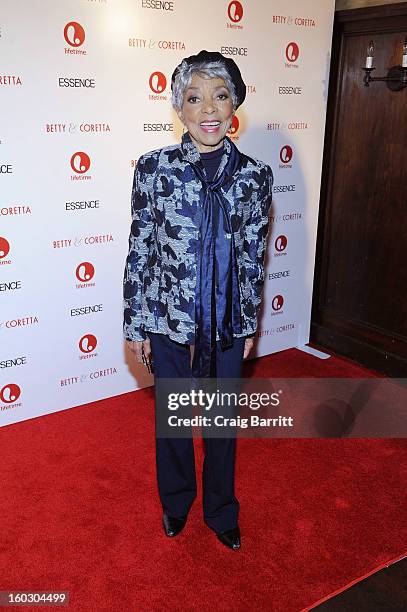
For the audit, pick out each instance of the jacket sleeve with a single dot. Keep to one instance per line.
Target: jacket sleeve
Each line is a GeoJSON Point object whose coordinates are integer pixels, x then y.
{"type": "Point", "coordinates": [256, 236]}
{"type": "Point", "coordinates": [139, 242]}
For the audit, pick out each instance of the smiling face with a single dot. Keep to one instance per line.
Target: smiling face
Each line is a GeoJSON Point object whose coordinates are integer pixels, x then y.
{"type": "Point", "coordinates": [207, 112]}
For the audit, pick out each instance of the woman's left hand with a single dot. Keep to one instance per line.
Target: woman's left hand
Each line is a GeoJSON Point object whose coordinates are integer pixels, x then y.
{"type": "Point", "coordinates": [248, 345]}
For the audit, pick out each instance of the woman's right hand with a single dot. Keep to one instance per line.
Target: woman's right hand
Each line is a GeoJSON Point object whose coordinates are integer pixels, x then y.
{"type": "Point", "coordinates": [137, 347]}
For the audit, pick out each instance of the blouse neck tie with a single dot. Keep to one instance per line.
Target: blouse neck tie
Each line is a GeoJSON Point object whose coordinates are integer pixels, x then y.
{"type": "Point", "coordinates": [217, 303]}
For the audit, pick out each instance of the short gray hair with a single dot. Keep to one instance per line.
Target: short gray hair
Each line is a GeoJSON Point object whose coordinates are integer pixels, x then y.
{"type": "Point", "coordinates": [207, 70]}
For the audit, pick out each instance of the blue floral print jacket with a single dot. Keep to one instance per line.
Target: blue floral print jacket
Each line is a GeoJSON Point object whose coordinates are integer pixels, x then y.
{"type": "Point", "coordinates": [161, 266]}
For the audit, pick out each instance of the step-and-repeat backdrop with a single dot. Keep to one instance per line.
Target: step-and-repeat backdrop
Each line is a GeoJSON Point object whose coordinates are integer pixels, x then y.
{"type": "Point", "coordinates": [84, 91]}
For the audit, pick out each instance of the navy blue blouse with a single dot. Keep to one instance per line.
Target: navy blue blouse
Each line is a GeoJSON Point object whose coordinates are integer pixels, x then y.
{"type": "Point", "coordinates": [211, 161]}
{"type": "Point", "coordinates": [221, 279]}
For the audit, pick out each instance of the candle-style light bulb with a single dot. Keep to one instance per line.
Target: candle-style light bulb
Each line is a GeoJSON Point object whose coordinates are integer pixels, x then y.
{"type": "Point", "coordinates": [369, 58]}
{"type": "Point", "coordinates": [404, 62]}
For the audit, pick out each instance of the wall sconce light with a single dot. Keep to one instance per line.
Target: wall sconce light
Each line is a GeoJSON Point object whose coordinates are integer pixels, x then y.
{"type": "Point", "coordinates": [396, 78]}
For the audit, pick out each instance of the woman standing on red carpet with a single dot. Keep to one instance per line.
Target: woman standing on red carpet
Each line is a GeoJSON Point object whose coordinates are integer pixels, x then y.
{"type": "Point", "coordinates": [194, 273]}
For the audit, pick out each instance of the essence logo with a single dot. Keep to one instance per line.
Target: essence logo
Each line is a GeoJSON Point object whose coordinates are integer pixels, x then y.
{"type": "Point", "coordinates": [74, 35]}
{"type": "Point", "coordinates": [235, 14]}
{"type": "Point", "coordinates": [158, 127]}
{"type": "Point", "coordinates": [277, 304]}
{"type": "Point", "coordinates": [157, 83]}
{"type": "Point", "coordinates": [15, 361]}
{"type": "Point", "coordinates": [291, 90]}
{"type": "Point", "coordinates": [282, 274]}
{"type": "Point", "coordinates": [234, 51]}
{"type": "Point", "coordinates": [4, 251]}
{"type": "Point", "coordinates": [284, 188]}
{"type": "Point", "coordinates": [280, 245]}
{"type": "Point", "coordinates": [286, 154]}
{"type": "Point", "coordinates": [84, 310]}
{"type": "Point", "coordinates": [10, 286]}
{"type": "Point", "coordinates": [82, 205]}
{"type": "Point", "coordinates": [76, 82]}
{"type": "Point", "coordinates": [292, 52]}
{"type": "Point", "coordinates": [84, 272]}
{"type": "Point", "coordinates": [162, 5]}
{"type": "Point", "coordinates": [234, 128]}
{"type": "Point", "coordinates": [80, 164]}
{"type": "Point", "coordinates": [10, 393]}
{"type": "Point", "coordinates": [87, 345]}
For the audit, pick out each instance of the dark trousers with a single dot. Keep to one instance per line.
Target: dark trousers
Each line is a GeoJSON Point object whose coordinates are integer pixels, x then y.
{"type": "Point", "coordinates": [175, 457]}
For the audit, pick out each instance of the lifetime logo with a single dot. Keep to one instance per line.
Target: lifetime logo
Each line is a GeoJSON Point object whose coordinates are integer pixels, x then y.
{"type": "Point", "coordinates": [277, 303]}
{"type": "Point", "coordinates": [4, 247]}
{"type": "Point", "coordinates": [157, 82]}
{"type": "Point", "coordinates": [74, 34]}
{"type": "Point", "coordinates": [80, 162]}
{"type": "Point", "coordinates": [235, 11]}
{"type": "Point", "coordinates": [88, 343]}
{"type": "Point", "coordinates": [286, 154]}
{"type": "Point", "coordinates": [10, 393]}
{"type": "Point", "coordinates": [234, 126]}
{"type": "Point", "coordinates": [85, 272]}
{"type": "Point", "coordinates": [292, 52]}
{"type": "Point", "coordinates": [280, 243]}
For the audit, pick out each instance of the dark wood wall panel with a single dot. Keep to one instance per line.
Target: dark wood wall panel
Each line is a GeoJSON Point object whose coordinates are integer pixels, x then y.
{"type": "Point", "coordinates": [360, 287]}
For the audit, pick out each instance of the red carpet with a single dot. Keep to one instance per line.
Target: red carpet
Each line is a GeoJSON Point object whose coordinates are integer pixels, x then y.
{"type": "Point", "coordinates": [80, 511]}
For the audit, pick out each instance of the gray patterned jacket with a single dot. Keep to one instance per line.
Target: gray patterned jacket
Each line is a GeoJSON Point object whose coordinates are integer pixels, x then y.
{"type": "Point", "coordinates": [160, 272]}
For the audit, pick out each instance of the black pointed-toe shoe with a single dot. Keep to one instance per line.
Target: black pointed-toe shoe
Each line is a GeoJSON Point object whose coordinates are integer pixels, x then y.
{"type": "Point", "coordinates": [230, 538]}
{"type": "Point", "coordinates": [173, 525]}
